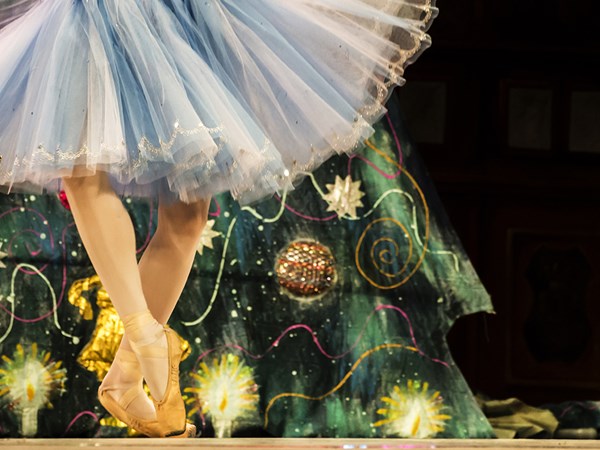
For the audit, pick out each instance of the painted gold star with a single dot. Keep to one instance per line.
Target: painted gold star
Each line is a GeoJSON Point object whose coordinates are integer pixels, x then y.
{"type": "Point", "coordinates": [344, 196]}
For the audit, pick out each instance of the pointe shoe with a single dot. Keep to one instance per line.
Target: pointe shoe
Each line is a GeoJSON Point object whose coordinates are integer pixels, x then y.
{"type": "Point", "coordinates": [170, 410]}
{"type": "Point", "coordinates": [120, 408]}
{"type": "Point", "coordinates": [148, 427]}
{"type": "Point", "coordinates": [158, 350]}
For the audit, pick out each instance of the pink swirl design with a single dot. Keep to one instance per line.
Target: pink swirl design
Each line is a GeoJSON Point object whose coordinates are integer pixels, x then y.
{"type": "Point", "coordinates": [375, 166]}
{"type": "Point", "coordinates": [79, 416]}
{"type": "Point", "coordinates": [320, 346]}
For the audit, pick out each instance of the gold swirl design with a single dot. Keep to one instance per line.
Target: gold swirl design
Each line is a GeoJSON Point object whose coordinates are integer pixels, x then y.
{"type": "Point", "coordinates": [382, 259]}
{"type": "Point", "coordinates": [342, 382]}
{"type": "Point", "coordinates": [383, 255]}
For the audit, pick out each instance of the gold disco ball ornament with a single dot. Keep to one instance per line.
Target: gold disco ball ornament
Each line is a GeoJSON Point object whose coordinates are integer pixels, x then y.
{"type": "Point", "coordinates": [306, 270]}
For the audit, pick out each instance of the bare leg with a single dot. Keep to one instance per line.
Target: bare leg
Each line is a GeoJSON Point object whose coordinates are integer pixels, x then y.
{"type": "Point", "coordinates": [107, 233]}
{"type": "Point", "coordinates": [166, 263]}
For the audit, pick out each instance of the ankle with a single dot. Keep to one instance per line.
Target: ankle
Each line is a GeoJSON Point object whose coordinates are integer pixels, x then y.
{"type": "Point", "coordinates": [142, 329]}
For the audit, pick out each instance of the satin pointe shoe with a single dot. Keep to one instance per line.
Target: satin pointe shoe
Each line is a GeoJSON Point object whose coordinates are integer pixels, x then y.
{"type": "Point", "coordinates": [149, 428]}
{"type": "Point", "coordinates": [119, 408]}
{"type": "Point", "coordinates": [158, 350]}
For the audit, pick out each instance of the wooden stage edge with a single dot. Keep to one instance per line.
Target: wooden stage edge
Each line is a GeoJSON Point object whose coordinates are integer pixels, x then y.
{"type": "Point", "coordinates": [295, 444]}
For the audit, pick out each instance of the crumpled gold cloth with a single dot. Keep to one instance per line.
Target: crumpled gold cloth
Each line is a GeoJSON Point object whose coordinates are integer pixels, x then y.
{"type": "Point", "coordinates": [99, 352]}
{"type": "Point", "coordinates": [511, 418]}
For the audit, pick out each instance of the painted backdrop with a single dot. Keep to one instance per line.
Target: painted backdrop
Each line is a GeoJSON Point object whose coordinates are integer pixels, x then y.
{"type": "Point", "coordinates": [322, 312]}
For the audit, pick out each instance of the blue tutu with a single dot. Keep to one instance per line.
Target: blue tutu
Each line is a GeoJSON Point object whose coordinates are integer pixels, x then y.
{"type": "Point", "coordinates": [184, 99]}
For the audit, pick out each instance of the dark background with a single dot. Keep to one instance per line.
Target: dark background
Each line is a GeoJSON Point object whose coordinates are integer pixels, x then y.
{"type": "Point", "coordinates": [505, 109]}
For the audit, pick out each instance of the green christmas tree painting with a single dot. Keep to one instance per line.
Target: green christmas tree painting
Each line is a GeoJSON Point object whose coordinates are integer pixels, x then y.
{"type": "Point", "coordinates": [320, 312]}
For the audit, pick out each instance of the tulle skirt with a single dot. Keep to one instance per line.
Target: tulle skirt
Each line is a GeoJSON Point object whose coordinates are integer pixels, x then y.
{"type": "Point", "coordinates": [183, 99]}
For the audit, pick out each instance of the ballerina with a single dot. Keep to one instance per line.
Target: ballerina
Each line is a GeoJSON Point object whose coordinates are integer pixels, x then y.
{"type": "Point", "coordinates": [176, 101]}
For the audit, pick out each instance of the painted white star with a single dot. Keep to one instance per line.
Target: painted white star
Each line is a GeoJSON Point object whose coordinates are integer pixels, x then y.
{"type": "Point", "coordinates": [344, 196]}
{"type": "Point", "coordinates": [2, 256]}
{"type": "Point", "coordinates": [208, 234]}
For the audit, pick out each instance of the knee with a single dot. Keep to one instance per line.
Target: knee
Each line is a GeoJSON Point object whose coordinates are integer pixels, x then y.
{"type": "Point", "coordinates": [183, 222]}
{"type": "Point", "coordinates": [74, 185]}
{"type": "Point", "coordinates": [192, 224]}
{"type": "Point", "coordinates": [86, 184]}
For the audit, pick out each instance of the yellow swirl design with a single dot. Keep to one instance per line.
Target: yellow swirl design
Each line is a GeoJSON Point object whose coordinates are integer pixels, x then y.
{"type": "Point", "coordinates": [341, 383]}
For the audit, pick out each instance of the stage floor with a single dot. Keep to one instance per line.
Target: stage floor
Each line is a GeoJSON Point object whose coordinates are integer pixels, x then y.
{"type": "Point", "coordinates": [293, 444]}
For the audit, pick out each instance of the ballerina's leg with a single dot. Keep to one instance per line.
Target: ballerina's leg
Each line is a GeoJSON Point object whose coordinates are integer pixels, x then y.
{"type": "Point", "coordinates": [167, 261]}
{"type": "Point", "coordinates": [107, 233]}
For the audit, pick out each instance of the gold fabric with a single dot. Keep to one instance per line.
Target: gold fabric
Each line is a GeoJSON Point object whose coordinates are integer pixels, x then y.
{"type": "Point", "coordinates": [99, 352]}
